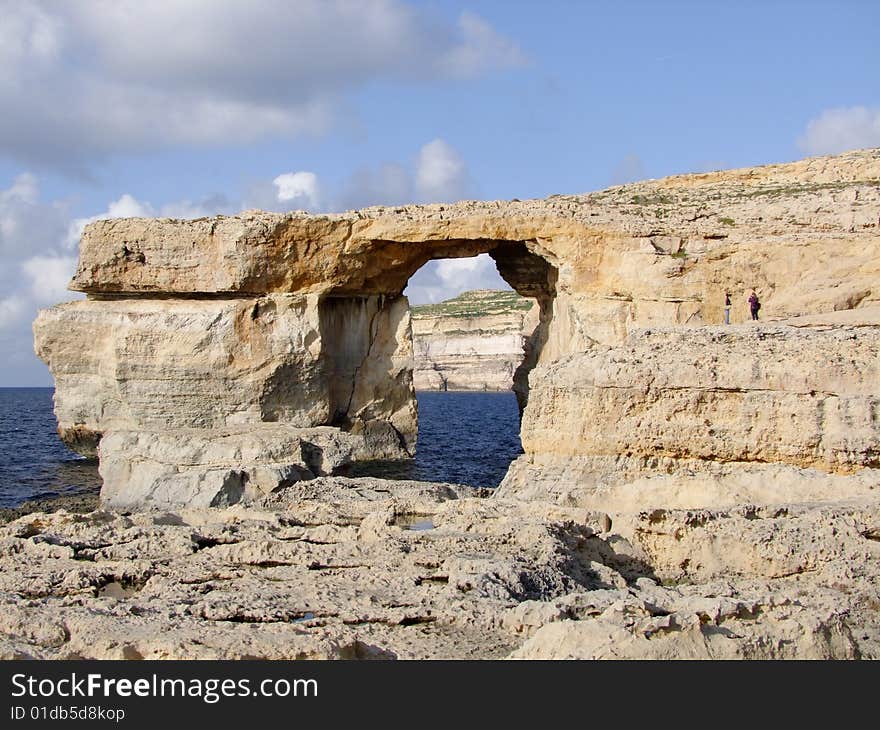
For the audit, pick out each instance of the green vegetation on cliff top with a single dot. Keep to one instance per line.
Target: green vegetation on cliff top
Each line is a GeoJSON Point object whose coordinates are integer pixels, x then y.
{"type": "Point", "coordinates": [479, 303]}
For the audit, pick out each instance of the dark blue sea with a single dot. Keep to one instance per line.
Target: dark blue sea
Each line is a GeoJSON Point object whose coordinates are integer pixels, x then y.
{"type": "Point", "coordinates": [465, 438]}
{"type": "Point", "coordinates": [34, 464]}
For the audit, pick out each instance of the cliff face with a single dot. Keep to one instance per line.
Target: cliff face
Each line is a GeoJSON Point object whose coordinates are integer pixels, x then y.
{"type": "Point", "coordinates": [472, 342]}
{"type": "Point", "coordinates": [216, 328]}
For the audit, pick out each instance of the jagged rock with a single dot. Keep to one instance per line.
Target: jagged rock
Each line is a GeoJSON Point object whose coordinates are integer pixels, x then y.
{"type": "Point", "coordinates": [367, 568]}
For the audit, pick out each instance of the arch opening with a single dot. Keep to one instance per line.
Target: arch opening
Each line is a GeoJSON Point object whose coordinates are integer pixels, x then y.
{"type": "Point", "coordinates": [462, 432]}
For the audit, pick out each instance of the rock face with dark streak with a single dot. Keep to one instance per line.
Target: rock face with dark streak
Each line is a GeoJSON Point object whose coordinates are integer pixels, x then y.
{"type": "Point", "coordinates": [194, 398]}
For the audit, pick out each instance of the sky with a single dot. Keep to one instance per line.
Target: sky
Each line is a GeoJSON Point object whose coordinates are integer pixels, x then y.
{"type": "Point", "coordinates": [185, 108]}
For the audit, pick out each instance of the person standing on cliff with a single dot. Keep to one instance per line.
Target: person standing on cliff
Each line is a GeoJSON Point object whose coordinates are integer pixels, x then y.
{"type": "Point", "coordinates": [726, 307]}
{"type": "Point", "coordinates": [754, 304]}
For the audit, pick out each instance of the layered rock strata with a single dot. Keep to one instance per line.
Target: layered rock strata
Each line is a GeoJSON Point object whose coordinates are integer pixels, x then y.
{"type": "Point", "coordinates": [297, 320]}
{"type": "Point", "coordinates": [209, 401]}
{"type": "Point", "coordinates": [695, 400]}
{"type": "Point", "coordinates": [474, 341]}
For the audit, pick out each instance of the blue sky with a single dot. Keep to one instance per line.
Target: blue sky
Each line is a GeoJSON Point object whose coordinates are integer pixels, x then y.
{"type": "Point", "coordinates": [212, 106]}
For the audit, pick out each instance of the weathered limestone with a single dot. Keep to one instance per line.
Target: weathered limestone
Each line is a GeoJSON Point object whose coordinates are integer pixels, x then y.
{"type": "Point", "coordinates": [361, 568]}
{"type": "Point", "coordinates": [688, 398]}
{"type": "Point", "coordinates": [472, 342]}
{"type": "Point", "coordinates": [176, 307]}
{"type": "Point", "coordinates": [171, 379]}
{"type": "Point", "coordinates": [202, 468]}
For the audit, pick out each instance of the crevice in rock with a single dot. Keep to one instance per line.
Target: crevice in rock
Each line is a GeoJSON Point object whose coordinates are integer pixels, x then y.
{"type": "Point", "coordinates": [203, 542]}
{"type": "Point", "coordinates": [372, 333]}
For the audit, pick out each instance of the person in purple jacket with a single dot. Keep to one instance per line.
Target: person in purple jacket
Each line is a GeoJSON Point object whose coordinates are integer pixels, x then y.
{"type": "Point", "coordinates": [754, 305]}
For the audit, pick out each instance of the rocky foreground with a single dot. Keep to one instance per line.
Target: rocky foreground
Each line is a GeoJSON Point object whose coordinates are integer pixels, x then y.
{"type": "Point", "coordinates": [372, 569]}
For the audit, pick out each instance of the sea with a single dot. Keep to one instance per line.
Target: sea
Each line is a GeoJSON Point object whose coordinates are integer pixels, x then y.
{"type": "Point", "coordinates": [464, 438]}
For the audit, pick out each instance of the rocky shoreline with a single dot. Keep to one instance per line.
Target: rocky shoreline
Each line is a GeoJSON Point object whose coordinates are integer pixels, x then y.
{"type": "Point", "coordinates": [688, 489]}
{"type": "Point", "coordinates": [75, 503]}
{"type": "Point", "coordinates": [366, 568]}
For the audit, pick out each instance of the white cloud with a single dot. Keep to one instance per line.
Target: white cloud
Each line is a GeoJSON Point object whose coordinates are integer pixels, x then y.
{"type": "Point", "coordinates": [28, 34]}
{"type": "Point", "coordinates": [481, 48]}
{"type": "Point", "coordinates": [24, 189]}
{"type": "Point", "coordinates": [452, 271]}
{"type": "Point", "coordinates": [24, 223]}
{"type": "Point", "coordinates": [839, 130]}
{"type": "Point", "coordinates": [127, 207]}
{"type": "Point", "coordinates": [34, 271]}
{"type": "Point", "coordinates": [298, 188]}
{"type": "Point", "coordinates": [391, 184]}
{"type": "Point", "coordinates": [83, 78]}
{"type": "Point", "coordinates": [446, 278]}
{"type": "Point", "coordinates": [11, 310]}
{"type": "Point", "coordinates": [49, 277]}
{"type": "Point", "coordinates": [441, 174]}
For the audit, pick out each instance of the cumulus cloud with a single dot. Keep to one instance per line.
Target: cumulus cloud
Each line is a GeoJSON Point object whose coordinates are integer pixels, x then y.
{"type": "Point", "coordinates": [35, 270]}
{"type": "Point", "coordinates": [438, 174]}
{"type": "Point", "coordinates": [49, 277]}
{"type": "Point", "coordinates": [84, 78]}
{"type": "Point", "coordinates": [390, 184]}
{"type": "Point", "coordinates": [839, 130]}
{"type": "Point", "coordinates": [441, 174]}
{"type": "Point", "coordinates": [11, 309]}
{"type": "Point", "coordinates": [439, 280]}
{"type": "Point", "coordinates": [482, 48]}
{"type": "Point", "coordinates": [298, 188]}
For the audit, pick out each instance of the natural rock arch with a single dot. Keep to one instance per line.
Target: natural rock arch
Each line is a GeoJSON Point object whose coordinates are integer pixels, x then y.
{"type": "Point", "coordinates": [226, 356]}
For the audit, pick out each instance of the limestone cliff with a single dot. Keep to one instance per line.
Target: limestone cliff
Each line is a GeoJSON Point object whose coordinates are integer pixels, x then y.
{"type": "Point", "coordinates": [294, 321]}
{"type": "Point", "coordinates": [474, 341]}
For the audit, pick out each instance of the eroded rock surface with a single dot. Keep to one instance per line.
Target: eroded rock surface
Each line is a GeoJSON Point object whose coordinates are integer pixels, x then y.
{"type": "Point", "coordinates": [692, 400]}
{"type": "Point", "coordinates": [364, 568]}
{"type": "Point", "coordinates": [200, 399]}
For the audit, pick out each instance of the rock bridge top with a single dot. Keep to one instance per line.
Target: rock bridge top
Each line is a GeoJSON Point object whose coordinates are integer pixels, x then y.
{"type": "Point", "coordinates": [675, 241]}
{"type": "Point", "coordinates": [357, 253]}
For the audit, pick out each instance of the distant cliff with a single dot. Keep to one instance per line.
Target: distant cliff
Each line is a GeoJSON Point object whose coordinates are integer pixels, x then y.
{"type": "Point", "coordinates": [472, 342]}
